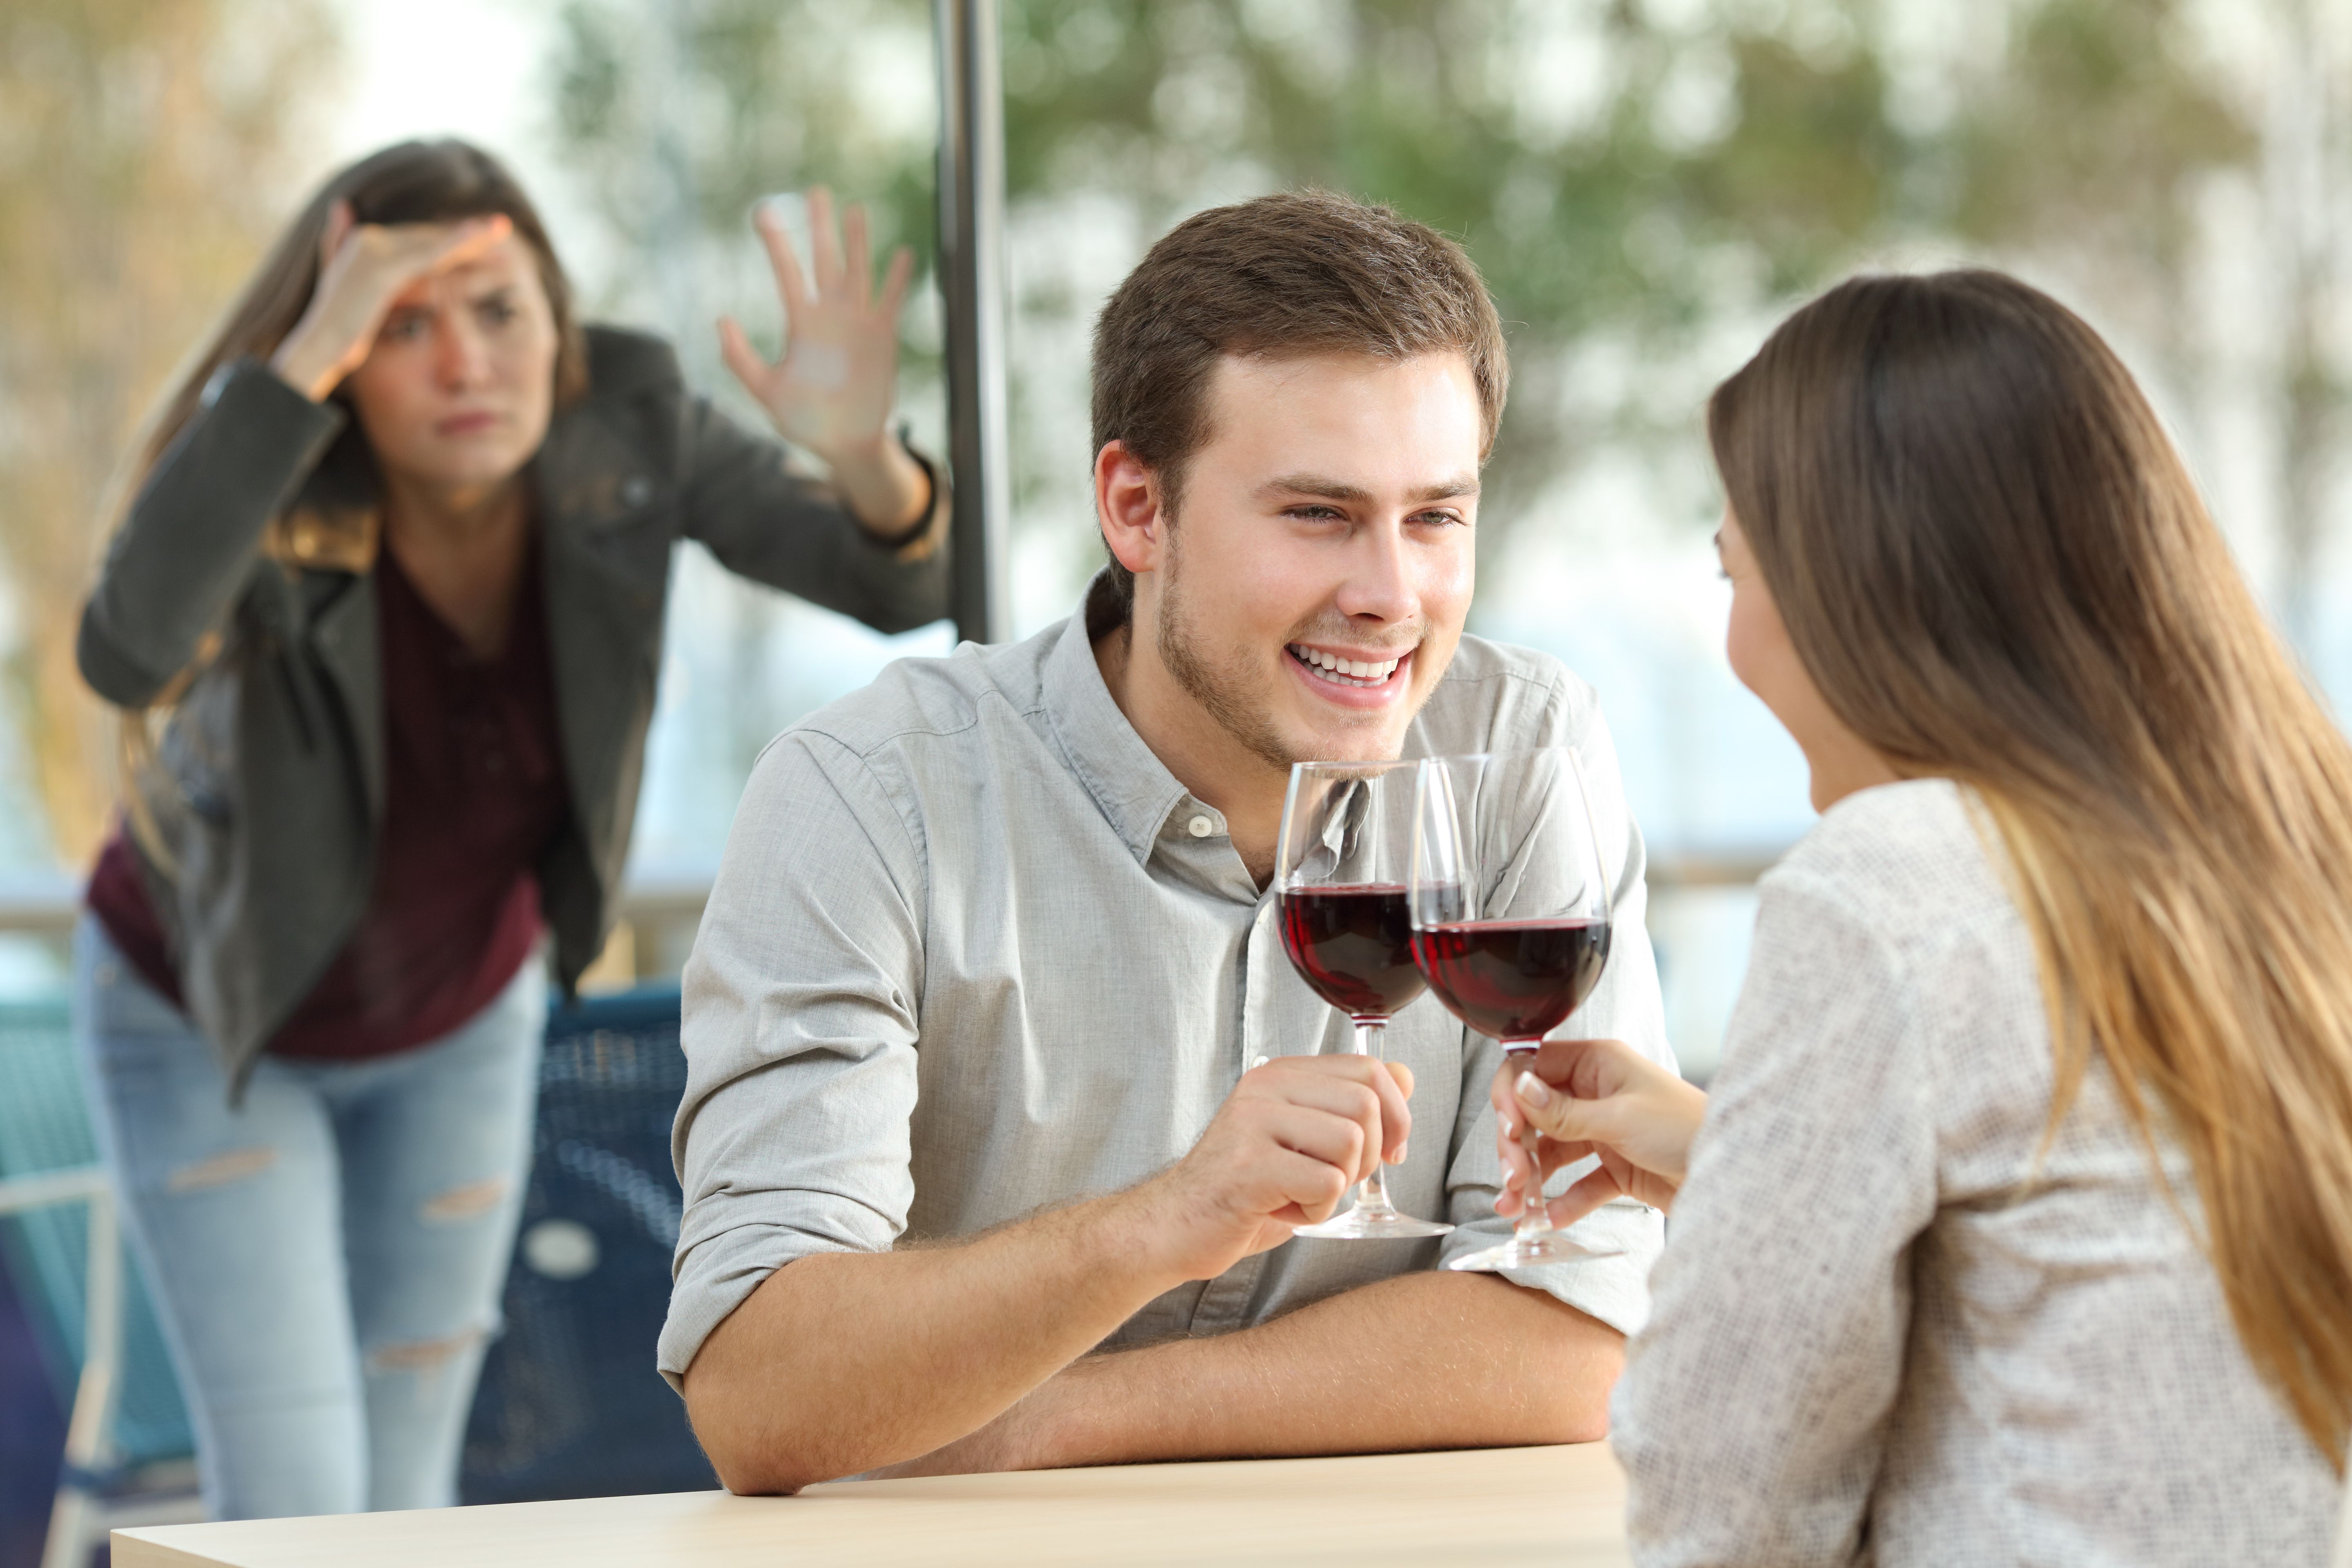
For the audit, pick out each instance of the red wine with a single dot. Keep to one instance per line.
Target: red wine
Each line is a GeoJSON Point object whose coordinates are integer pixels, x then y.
{"type": "Point", "coordinates": [1514, 979]}
{"type": "Point", "coordinates": [1353, 945]}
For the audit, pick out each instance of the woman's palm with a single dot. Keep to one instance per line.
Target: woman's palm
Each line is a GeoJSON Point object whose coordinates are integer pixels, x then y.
{"type": "Point", "coordinates": [832, 391]}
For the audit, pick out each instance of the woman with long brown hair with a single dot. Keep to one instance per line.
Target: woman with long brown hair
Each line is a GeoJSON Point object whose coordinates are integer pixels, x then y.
{"type": "Point", "coordinates": [385, 617]}
{"type": "Point", "coordinates": [2018, 1225]}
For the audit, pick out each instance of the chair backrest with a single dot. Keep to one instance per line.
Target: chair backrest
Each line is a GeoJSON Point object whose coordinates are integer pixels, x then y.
{"type": "Point", "coordinates": [570, 1403]}
{"type": "Point", "coordinates": [45, 1126]}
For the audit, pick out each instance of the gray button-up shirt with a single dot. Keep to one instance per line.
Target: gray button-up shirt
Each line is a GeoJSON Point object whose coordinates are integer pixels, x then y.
{"type": "Point", "coordinates": [973, 951]}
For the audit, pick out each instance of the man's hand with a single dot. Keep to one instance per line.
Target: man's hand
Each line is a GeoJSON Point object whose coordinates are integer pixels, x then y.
{"type": "Point", "coordinates": [1600, 1097]}
{"type": "Point", "coordinates": [1283, 1149]}
{"type": "Point", "coordinates": [843, 1361]}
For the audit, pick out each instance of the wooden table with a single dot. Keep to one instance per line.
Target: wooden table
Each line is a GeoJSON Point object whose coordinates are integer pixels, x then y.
{"type": "Point", "coordinates": [1561, 1506]}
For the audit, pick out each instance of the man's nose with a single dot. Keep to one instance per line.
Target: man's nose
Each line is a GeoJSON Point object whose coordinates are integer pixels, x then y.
{"type": "Point", "coordinates": [1381, 582]}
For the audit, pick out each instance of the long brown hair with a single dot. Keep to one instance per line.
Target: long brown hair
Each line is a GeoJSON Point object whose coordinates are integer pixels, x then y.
{"type": "Point", "coordinates": [410, 182]}
{"type": "Point", "coordinates": [1996, 569]}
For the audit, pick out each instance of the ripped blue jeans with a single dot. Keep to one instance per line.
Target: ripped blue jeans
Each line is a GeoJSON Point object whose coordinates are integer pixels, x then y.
{"type": "Point", "coordinates": [328, 1260]}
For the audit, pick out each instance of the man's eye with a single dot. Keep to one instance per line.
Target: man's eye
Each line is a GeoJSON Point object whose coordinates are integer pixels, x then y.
{"type": "Point", "coordinates": [1312, 513]}
{"type": "Point", "coordinates": [404, 329]}
{"type": "Point", "coordinates": [1436, 519]}
{"type": "Point", "coordinates": [496, 312]}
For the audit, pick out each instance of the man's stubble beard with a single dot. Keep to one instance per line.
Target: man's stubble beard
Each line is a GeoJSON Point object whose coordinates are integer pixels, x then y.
{"type": "Point", "coordinates": [1225, 696]}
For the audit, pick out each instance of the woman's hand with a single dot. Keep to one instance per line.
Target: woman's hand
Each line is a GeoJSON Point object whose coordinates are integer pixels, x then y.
{"type": "Point", "coordinates": [1594, 1097]}
{"type": "Point", "coordinates": [832, 390]}
{"type": "Point", "coordinates": [362, 269]}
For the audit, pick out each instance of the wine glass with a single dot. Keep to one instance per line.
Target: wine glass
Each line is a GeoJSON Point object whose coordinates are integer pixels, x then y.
{"type": "Point", "coordinates": [1340, 885]}
{"type": "Point", "coordinates": [1510, 922]}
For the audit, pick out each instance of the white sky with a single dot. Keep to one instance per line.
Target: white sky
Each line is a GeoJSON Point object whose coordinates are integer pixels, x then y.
{"type": "Point", "coordinates": [473, 68]}
{"type": "Point", "coordinates": [468, 68]}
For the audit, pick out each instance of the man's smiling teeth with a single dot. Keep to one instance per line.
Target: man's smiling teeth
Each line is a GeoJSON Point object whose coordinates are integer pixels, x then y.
{"type": "Point", "coordinates": [1345, 671]}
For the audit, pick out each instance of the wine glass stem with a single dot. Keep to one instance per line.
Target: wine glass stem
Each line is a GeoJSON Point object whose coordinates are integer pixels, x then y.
{"type": "Point", "coordinates": [1372, 1191]}
{"type": "Point", "coordinates": [1535, 1219]}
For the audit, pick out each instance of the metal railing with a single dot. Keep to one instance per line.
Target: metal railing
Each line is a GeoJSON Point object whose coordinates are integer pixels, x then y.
{"type": "Point", "coordinates": [659, 912]}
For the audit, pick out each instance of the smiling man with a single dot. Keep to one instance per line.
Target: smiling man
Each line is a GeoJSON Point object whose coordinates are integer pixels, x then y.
{"type": "Point", "coordinates": [980, 1172]}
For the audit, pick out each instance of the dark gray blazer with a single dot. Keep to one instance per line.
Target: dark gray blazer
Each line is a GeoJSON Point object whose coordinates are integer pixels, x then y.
{"type": "Point", "coordinates": [249, 555]}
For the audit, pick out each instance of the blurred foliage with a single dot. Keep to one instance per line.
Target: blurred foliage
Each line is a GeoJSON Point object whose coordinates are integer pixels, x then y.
{"type": "Point", "coordinates": [1621, 171]}
{"type": "Point", "coordinates": [137, 141]}
{"type": "Point", "coordinates": [726, 100]}
{"type": "Point", "coordinates": [682, 113]}
{"type": "Point", "coordinates": [2088, 147]}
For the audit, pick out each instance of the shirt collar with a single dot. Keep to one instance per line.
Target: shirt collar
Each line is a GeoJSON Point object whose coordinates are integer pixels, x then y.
{"type": "Point", "coordinates": [1128, 782]}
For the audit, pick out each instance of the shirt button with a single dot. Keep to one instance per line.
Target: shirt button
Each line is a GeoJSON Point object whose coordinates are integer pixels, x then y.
{"type": "Point", "coordinates": [1199, 828]}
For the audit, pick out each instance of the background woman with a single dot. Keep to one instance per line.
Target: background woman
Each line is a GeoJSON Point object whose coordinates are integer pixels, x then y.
{"type": "Point", "coordinates": [396, 569]}
{"type": "Point", "coordinates": [2019, 1228]}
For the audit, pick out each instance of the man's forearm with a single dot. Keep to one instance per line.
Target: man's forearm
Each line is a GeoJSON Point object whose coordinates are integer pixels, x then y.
{"type": "Point", "coordinates": [1425, 1361]}
{"type": "Point", "coordinates": [842, 1361]}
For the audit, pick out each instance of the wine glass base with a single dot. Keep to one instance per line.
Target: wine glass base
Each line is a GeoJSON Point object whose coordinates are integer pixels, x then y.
{"type": "Point", "coordinates": [1362, 1224]}
{"type": "Point", "coordinates": [1527, 1251]}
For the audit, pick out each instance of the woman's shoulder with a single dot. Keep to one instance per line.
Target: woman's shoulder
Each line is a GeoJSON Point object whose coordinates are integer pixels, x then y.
{"type": "Point", "coordinates": [1912, 858]}
{"type": "Point", "coordinates": [623, 362]}
{"type": "Point", "coordinates": [1888, 937]}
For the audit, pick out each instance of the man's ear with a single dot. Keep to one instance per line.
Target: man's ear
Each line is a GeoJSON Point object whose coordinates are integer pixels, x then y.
{"type": "Point", "coordinates": [1127, 503]}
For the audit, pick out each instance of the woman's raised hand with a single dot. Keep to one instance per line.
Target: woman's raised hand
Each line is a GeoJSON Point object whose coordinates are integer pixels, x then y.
{"type": "Point", "coordinates": [362, 269]}
{"type": "Point", "coordinates": [1601, 1098]}
{"type": "Point", "coordinates": [832, 391]}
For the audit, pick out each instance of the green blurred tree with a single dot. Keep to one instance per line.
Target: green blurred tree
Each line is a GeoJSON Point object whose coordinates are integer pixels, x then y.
{"type": "Point", "coordinates": [138, 140]}
{"type": "Point", "coordinates": [1626, 175]}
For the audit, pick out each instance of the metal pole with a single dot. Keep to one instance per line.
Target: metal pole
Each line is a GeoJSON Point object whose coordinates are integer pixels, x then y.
{"type": "Point", "coordinates": [972, 279]}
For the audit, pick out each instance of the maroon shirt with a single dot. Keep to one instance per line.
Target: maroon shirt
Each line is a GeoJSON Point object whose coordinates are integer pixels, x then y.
{"type": "Point", "coordinates": [474, 795]}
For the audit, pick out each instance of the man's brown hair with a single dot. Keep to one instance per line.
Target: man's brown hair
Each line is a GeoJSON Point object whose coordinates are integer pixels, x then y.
{"type": "Point", "coordinates": [1284, 275]}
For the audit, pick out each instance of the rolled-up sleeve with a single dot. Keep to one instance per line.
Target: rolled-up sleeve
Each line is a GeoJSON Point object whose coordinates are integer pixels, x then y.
{"type": "Point", "coordinates": [1625, 1005]}
{"type": "Point", "coordinates": [799, 1029]}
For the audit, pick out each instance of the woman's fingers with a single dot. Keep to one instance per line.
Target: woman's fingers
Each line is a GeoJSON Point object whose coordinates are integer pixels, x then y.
{"type": "Point", "coordinates": [1633, 1111]}
{"type": "Point", "coordinates": [467, 241]}
{"type": "Point", "coordinates": [1575, 1067]}
{"type": "Point", "coordinates": [735, 349]}
{"type": "Point", "coordinates": [824, 244]}
{"type": "Point", "coordinates": [860, 275]}
{"type": "Point", "coordinates": [1584, 1194]}
{"type": "Point", "coordinates": [338, 230]}
{"type": "Point", "coordinates": [1523, 1170]}
{"type": "Point", "coordinates": [1560, 1116]}
{"type": "Point", "coordinates": [792, 284]}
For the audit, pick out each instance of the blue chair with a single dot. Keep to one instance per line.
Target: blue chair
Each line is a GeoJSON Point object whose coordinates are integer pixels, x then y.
{"type": "Point", "coordinates": [128, 1434]}
{"type": "Point", "coordinates": [570, 1404]}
